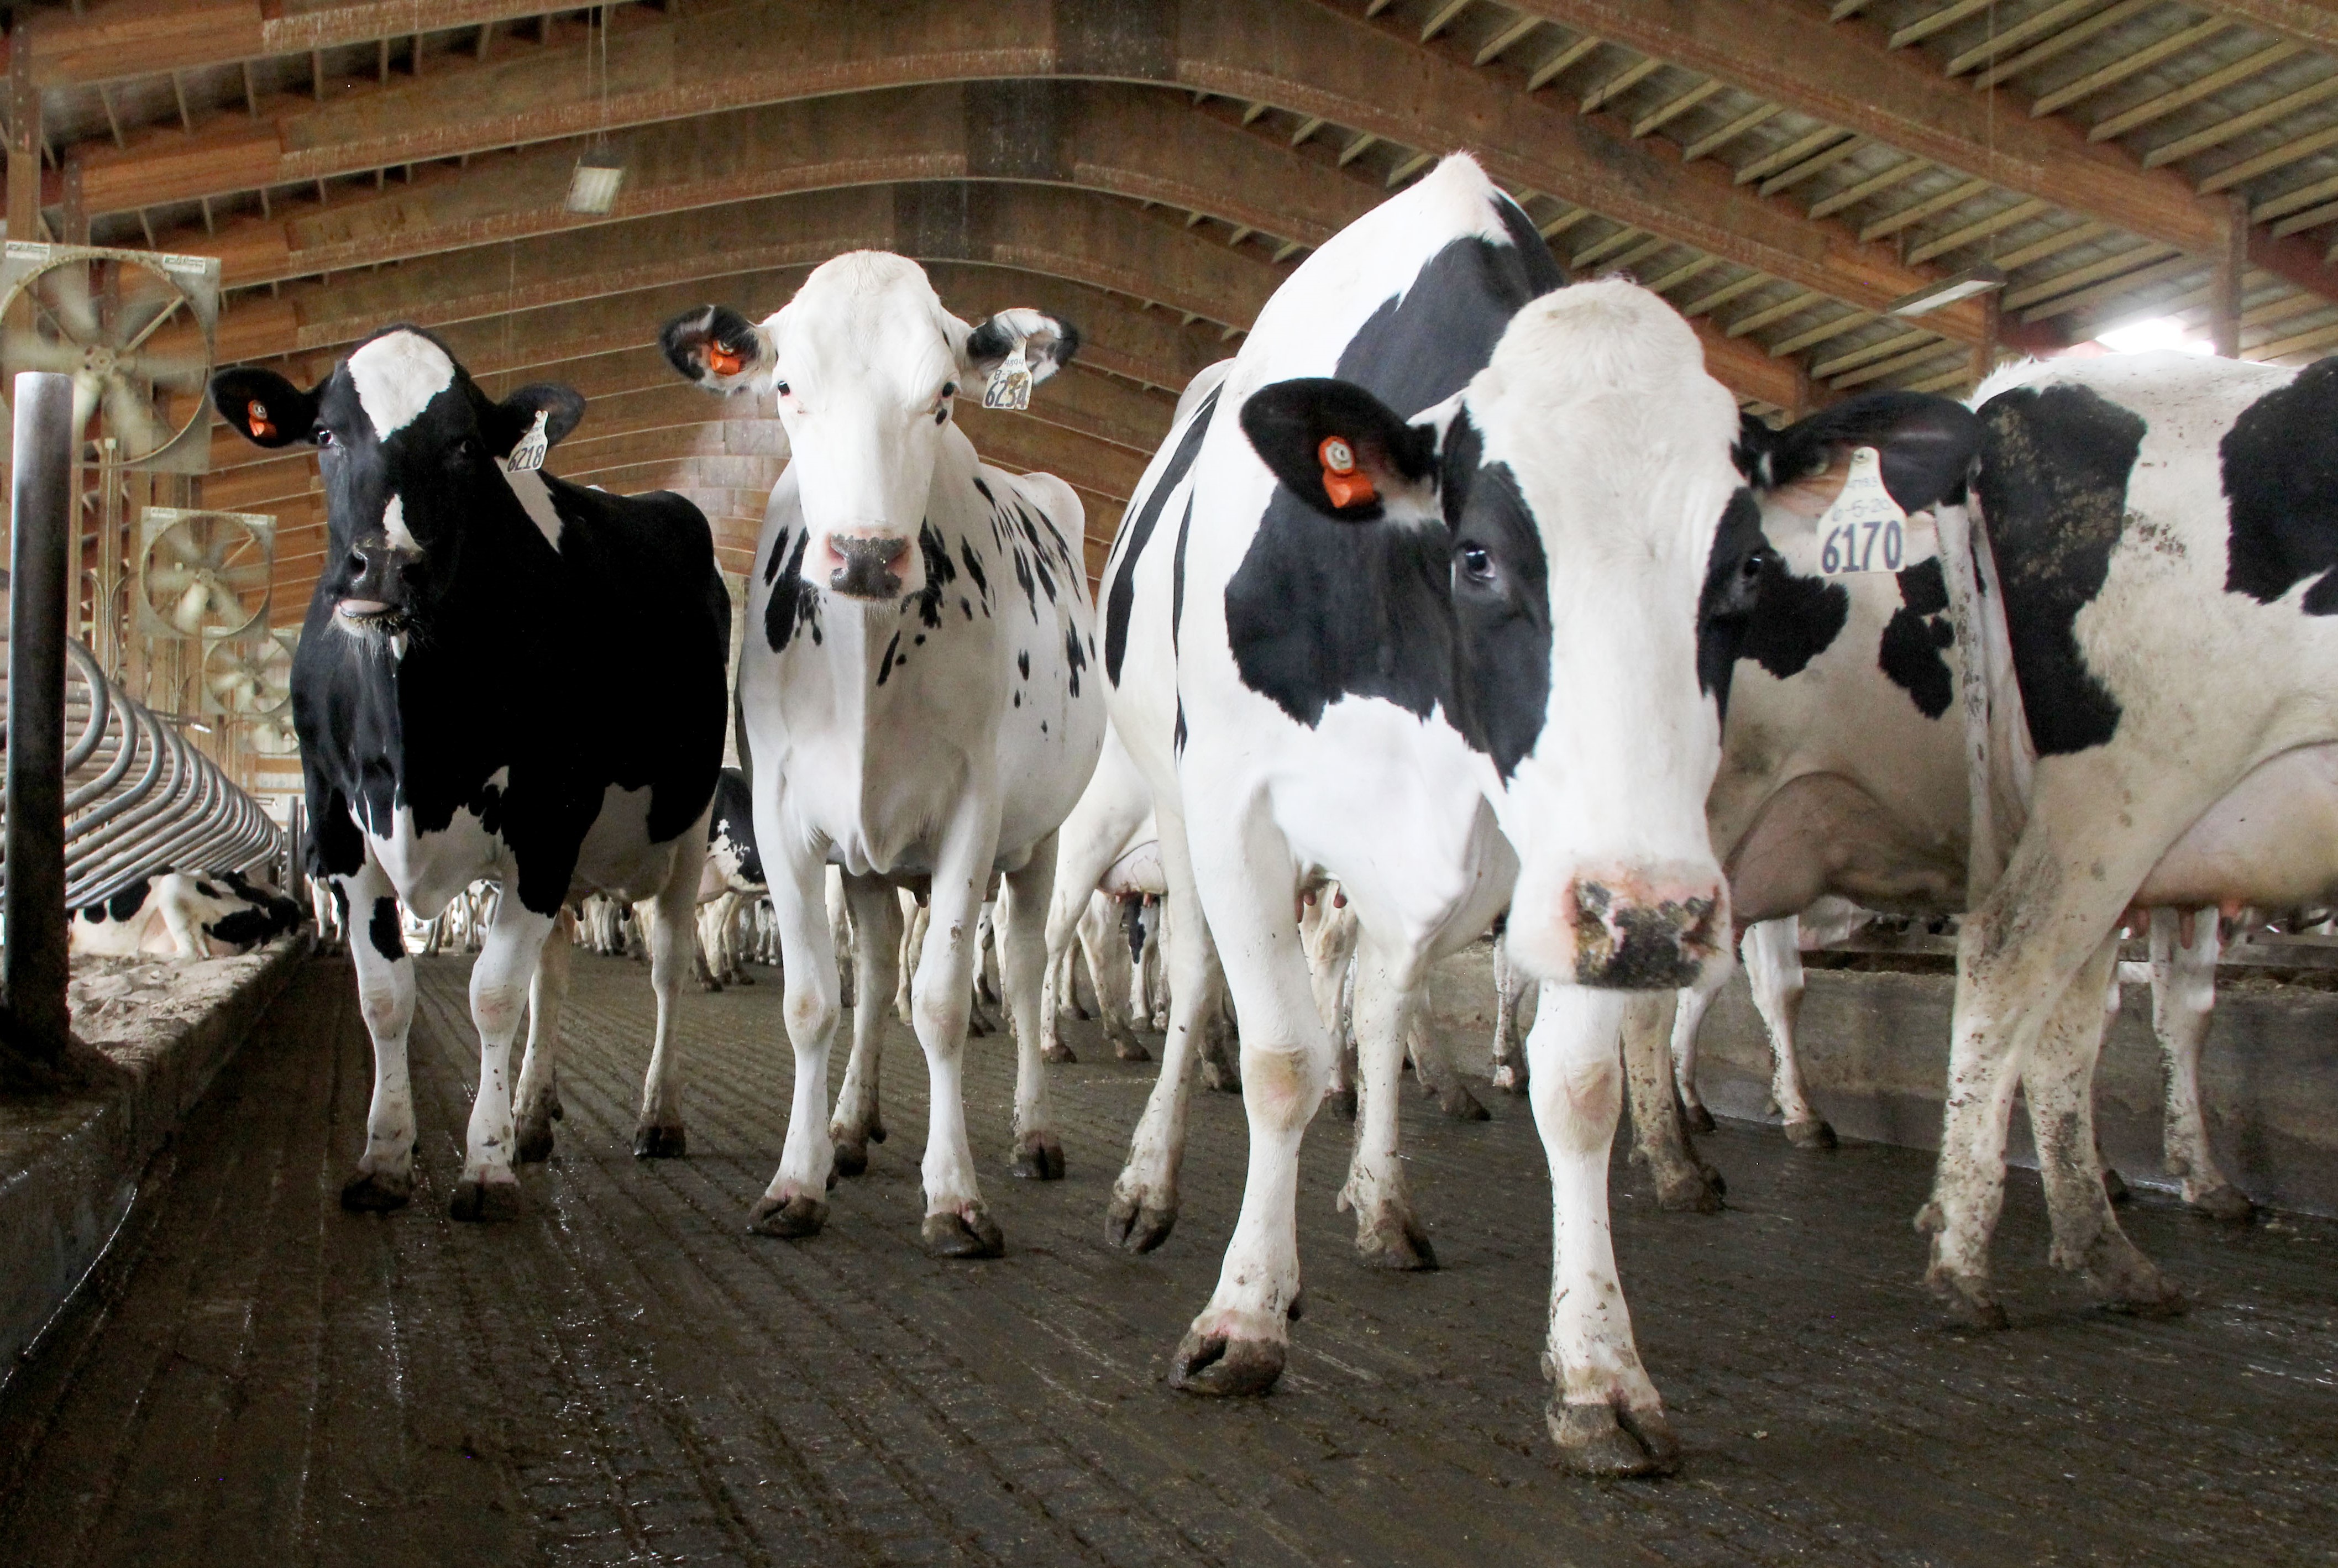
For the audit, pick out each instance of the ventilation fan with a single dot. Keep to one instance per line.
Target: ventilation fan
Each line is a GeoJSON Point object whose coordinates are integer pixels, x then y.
{"type": "Point", "coordinates": [135, 331]}
{"type": "Point", "coordinates": [203, 574]}
{"type": "Point", "coordinates": [250, 679]}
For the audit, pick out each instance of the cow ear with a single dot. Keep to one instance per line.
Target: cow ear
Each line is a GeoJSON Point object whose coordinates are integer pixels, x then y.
{"type": "Point", "coordinates": [718, 349]}
{"type": "Point", "coordinates": [1926, 444]}
{"type": "Point", "coordinates": [1049, 342]}
{"type": "Point", "coordinates": [263, 407]}
{"type": "Point", "coordinates": [562, 408]}
{"type": "Point", "coordinates": [1341, 450]}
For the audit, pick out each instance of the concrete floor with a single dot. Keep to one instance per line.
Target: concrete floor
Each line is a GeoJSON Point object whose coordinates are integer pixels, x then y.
{"type": "Point", "coordinates": [626, 1375]}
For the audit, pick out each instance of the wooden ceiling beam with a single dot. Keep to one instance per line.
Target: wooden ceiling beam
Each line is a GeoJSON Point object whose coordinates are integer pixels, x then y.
{"type": "Point", "coordinates": [2312, 23]}
{"type": "Point", "coordinates": [114, 40]}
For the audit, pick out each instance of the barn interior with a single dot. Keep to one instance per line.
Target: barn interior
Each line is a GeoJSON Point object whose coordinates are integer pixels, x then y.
{"type": "Point", "coordinates": [210, 1360]}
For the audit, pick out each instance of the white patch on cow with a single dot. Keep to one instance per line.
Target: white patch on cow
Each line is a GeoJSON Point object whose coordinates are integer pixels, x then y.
{"type": "Point", "coordinates": [395, 376]}
{"type": "Point", "coordinates": [535, 498]}
{"type": "Point", "coordinates": [393, 523]}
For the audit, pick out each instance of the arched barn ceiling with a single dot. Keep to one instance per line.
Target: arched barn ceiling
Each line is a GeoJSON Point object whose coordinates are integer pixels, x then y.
{"type": "Point", "coordinates": [1783, 171]}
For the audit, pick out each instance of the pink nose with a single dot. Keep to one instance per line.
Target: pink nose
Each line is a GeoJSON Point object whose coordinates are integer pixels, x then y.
{"type": "Point", "coordinates": [1636, 933]}
{"type": "Point", "coordinates": [867, 566]}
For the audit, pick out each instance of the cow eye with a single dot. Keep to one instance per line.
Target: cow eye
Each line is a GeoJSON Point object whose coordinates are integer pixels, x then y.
{"type": "Point", "coordinates": [1476, 564]}
{"type": "Point", "coordinates": [324, 436]}
{"type": "Point", "coordinates": [779, 388]}
{"type": "Point", "coordinates": [949, 390]}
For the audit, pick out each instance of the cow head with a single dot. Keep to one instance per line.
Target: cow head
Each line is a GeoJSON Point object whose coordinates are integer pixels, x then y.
{"type": "Point", "coordinates": [1602, 557]}
{"type": "Point", "coordinates": [865, 368]}
{"type": "Point", "coordinates": [411, 452]}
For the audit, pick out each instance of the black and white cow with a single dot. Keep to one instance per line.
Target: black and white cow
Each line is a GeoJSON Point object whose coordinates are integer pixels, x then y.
{"type": "Point", "coordinates": [731, 879]}
{"type": "Point", "coordinates": [917, 692]}
{"type": "Point", "coordinates": [2118, 498]}
{"type": "Point", "coordinates": [184, 914]}
{"type": "Point", "coordinates": [445, 738]}
{"type": "Point", "coordinates": [1450, 626]}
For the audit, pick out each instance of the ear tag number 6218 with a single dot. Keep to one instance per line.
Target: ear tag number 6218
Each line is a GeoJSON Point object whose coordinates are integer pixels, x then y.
{"type": "Point", "coordinates": [1009, 386]}
{"type": "Point", "coordinates": [1865, 530]}
{"type": "Point", "coordinates": [528, 456]}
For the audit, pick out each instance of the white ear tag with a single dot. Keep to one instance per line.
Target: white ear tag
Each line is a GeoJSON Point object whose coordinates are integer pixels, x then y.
{"type": "Point", "coordinates": [1009, 386]}
{"type": "Point", "coordinates": [1867, 531]}
{"type": "Point", "coordinates": [528, 456]}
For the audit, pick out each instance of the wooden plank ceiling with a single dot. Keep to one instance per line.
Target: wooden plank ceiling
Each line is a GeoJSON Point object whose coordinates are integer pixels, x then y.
{"type": "Point", "coordinates": [1782, 170]}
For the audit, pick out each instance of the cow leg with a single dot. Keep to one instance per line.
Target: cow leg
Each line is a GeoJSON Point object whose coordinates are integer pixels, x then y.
{"type": "Point", "coordinates": [1240, 1339]}
{"type": "Point", "coordinates": [377, 944]}
{"type": "Point", "coordinates": [1773, 969]}
{"type": "Point", "coordinates": [703, 951]}
{"type": "Point", "coordinates": [1143, 1208]}
{"type": "Point", "coordinates": [1019, 932]}
{"type": "Point", "coordinates": [1221, 1041]}
{"type": "Point", "coordinates": [537, 1101]}
{"type": "Point", "coordinates": [658, 1132]}
{"type": "Point", "coordinates": [1688, 1019]}
{"type": "Point", "coordinates": [1510, 1060]}
{"type": "Point", "coordinates": [1434, 1062]}
{"type": "Point", "coordinates": [840, 932]}
{"type": "Point", "coordinates": [735, 950]}
{"type": "Point", "coordinates": [500, 982]}
{"type": "Point", "coordinates": [1606, 1416]}
{"type": "Point", "coordinates": [795, 1204]}
{"type": "Point", "coordinates": [913, 943]}
{"type": "Point", "coordinates": [2183, 1001]}
{"type": "Point", "coordinates": [876, 913]}
{"type": "Point", "coordinates": [1106, 948]}
{"type": "Point", "coordinates": [941, 998]}
{"type": "Point", "coordinates": [1660, 1138]}
{"type": "Point", "coordinates": [1388, 1236]}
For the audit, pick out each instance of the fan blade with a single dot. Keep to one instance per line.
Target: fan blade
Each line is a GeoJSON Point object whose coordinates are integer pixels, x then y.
{"type": "Point", "coordinates": [187, 615]}
{"type": "Point", "coordinates": [167, 579]}
{"type": "Point", "coordinates": [69, 301]}
{"type": "Point", "coordinates": [166, 371]}
{"type": "Point", "coordinates": [87, 389]}
{"type": "Point", "coordinates": [131, 420]}
{"type": "Point", "coordinates": [180, 541]}
{"type": "Point", "coordinates": [31, 351]}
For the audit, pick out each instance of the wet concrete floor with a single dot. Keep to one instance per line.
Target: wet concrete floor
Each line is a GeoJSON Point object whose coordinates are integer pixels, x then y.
{"type": "Point", "coordinates": [626, 1375]}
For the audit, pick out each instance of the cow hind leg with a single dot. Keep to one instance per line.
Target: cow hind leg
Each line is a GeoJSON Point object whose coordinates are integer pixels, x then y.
{"type": "Point", "coordinates": [1105, 949]}
{"type": "Point", "coordinates": [1688, 1020]}
{"type": "Point", "coordinates": [877, 915]}
{"type": "Point", "coordinates": [1660, 1136]}
{"type": "Point", "coordinates": [377, 943]}
{"type": "Point", "coordinates": [1438, 1075]}
{"type": "Point", "coordinates": [1388, 1234]}
{"type": "Point", "coordinates": [500, 982]}
{"type": "Point", "coordinates": [1510, 1059]}
{"type": "Point", "coordinates": [1020, 934]}
{"type": "Point", "coordinates": [2182, 1002]}
{"type": "Point", "coordinates": [536, 1105]}
{"type": "Point", "coordinates": [1773, 969]}
{"type": "Point", "coordinates": [1143, 1208]}
{"type": "Point", "coordinates": [658, 1132]}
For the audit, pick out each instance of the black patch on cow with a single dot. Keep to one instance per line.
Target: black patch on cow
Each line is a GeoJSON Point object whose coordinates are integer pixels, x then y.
{"type": "Point", "coordinates": [790, 608]}
{"type": "Point", "coordinates": [1023, 579]}
{"type": "Point", "coordinates": [384, 932]}
{"type": "Point", "coordinates": [93, 913]}
{"type": "Point", "coordinates": [1795, 618]}
{"type": "Point", "coordinates": [974, 570]}
{"type": "Point", "coordinates": [1739, 576]}
{"type": "Point", "coordinates": [130, 900]}
{"type": "Point", "coordinates": [1120, 594]}
{"type": "Point", "coordinates": [1076, 658]}
{"type": "Point", "coordinates": [1178, 574]}
{"type": "Point", "coordinates": [1022, 662]}
{"type": "Point", "coordinates": [2054, 471]}
{"type": "Point", "coordinates": [779, 550]}
{"type": "Point", "coordinates": [733, 816]}
{"type": "Point", "coordinates": [1321, 609]}
{"type": "Point", "coordinates": [887, 659]}
{"type": "Point", "coordinates": [1909, 652]}
{"type": "Point", "coordinates": [2281, 490]}
{"type": "Point", "coordinates": [941, 573]}
{"type": "Point", "coordinates": [243, 929]}
{"type": "Point", "coordinates": [1501, 605]}
{"type": "Point", "coordinates": [205, 888]}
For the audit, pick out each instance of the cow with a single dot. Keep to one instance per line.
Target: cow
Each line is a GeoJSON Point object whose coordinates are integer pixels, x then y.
{"type": "Point", "coordinates": [445, 736]}
{"type": "Point", "coordinates": [732, 876]}
{"type": "Point", "coordinates": [184, 914]}
{"type": "Point", "coordinates": [917, 692]}
{"type": "Point", "coordinates": [1437, 595]}
{"type": "Point", "coordinates": [2115, 498]}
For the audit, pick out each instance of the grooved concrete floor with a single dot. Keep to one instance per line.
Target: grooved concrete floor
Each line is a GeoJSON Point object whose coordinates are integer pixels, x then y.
{"type": "Point", "coordinates": [626, 1375]}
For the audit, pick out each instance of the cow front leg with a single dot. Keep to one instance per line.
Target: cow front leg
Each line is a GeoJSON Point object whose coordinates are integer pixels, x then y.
{"type": "Point", "coordinates": [1660, 1138]}
{"type": "Point", "coordinates": [1388, 1235]}
{"type": "Point", "coordinates": [1689, 1021]}
{"type": "Point", "coordinates": [500, 982]}
{"type": "Point", "coordinates": [795, 1204]}
{"type": "Point", "coordinates": [941, 999]}
{"type": "Point", "coordinates": [1438, 1074]}
{"type": "Point", "coordinates": [537, 1101]}
{"type": "Point", "coordinates": [1773, 970]}
{"type": "Point", "coordinates": [1605, 1414]}
{"type": "Point", "coordinates": [877, 911]}
{"type": "Point", "coordinates": [658, 1131]}
{"type": "Point", "coordinates": [1509, 1059]}
{"type": "Point", "coordinates": [377, 943]}
{"type": "Point", "coordinates": [2183, 1002]}
{"type": "Point", "coordinates": [1143, 1208]}
{"type": "Point", "coordinates": [1019, 934]}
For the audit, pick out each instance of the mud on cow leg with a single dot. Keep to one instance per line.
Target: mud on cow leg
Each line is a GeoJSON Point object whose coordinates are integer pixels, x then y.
{"type": "Point", "coordinates": [1039, 1158]}
{"type": "Point", "coordinates": [377, 1192]}
{"type": "Point", "coordinates": [493, 1197]}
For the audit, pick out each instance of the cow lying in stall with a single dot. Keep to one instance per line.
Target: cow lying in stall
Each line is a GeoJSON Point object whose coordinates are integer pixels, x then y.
{"type": "Point", "coordinates": [444, 740]}
{"type": "Point", "coordinates": [182, 915]}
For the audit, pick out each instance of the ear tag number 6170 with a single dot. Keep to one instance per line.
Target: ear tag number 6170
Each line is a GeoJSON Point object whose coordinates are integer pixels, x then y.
{"type": "Point", "coordinates": [1865, 530]}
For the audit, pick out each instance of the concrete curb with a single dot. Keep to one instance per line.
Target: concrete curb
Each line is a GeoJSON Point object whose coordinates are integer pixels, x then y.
{"type": "Point", "coordinates": [70, 1168]}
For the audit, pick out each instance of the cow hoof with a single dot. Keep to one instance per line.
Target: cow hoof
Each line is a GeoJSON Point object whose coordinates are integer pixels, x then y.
{"type": "Point", "coordinates": [1059, 1054]}
{"type": "Point", "coordinates": [2158, 1300]}
{"type": "Point", "coordinates": [653, 1141]}
{"type": "Point", "coordinates": [1460, 1105]}
{"type": "Point", "coordinates": [2131, 1283]}
{"type": "Point", "coordinates": [1967, 1306]}
{"type": "Point", "coordinates": [1601, 1440]}
{"type": "Point", "coordinates": [788, 1219]}
{"type": "Point", "coordinates": [2229, 1204]}
{"type": "Point", "coordinates": [1700, 1120]}
{"type": "Point", "coordinates": [710, 986]}
{"type": "Point", "coordinates": [1223, 1367]}
{"type": "Point", "coordinates": [850, 1156]}
{"type": "Point", "coordinates": [1130, 1051]}
{"type": "Point", "coordinates": [1509, 1077]}
{"type": "Point", "coordinates": [1341, 1102]}
{"type": "Point", "coordinates": [953, 1235]}
{"type": "Point", "coordinates": [742, 978]}
{"type": "Point", "coordinates": [1813, 1133]}
{"type": "Point", "coordinates": [1222, 1075]}
{"type": "Point", "coordinates": [484, 1200]}
{"type": "Point", "coordinates": [1689, 1191]}
{"type": "Point", "coordinates": [1395, 1242]}
{"type": "Point", "coordinates": [377, 1192]}
{"type": "Point", "coordinates": [1138, 1227]}
{"type": "Point", "coordinates": [533, 1144]}
{"type": "Point", "coordinates": [2114, 1187]}
{"type": "Point", "coordinates": [1041, 1159]}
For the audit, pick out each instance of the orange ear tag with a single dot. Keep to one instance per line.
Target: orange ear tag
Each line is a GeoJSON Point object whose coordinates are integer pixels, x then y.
{"type": "Point", "coordinates": [721, 361]}
{"type": "Point", "coordinates": [1343, 482]}
{"type": "Point", "coordinates": [256, 415]}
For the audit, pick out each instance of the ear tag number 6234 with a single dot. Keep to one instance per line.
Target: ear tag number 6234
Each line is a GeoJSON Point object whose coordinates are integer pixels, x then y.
{"type": "Point", "coordinates": [1009, 386]}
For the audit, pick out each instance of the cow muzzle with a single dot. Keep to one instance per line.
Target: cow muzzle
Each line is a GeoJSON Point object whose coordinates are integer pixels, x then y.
{"type": "Point", "coordinates": [1625, 929]}
{"type": "Point", "coordinates": [370, 590]}
{"type": "Point", "coordinates": [867, 565]}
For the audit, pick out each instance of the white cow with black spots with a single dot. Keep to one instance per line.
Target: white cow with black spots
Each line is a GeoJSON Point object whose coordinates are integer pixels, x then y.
{"type": "Point", "coordinates": [915, 692]}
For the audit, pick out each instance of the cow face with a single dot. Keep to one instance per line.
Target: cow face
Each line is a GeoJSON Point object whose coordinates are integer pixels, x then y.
{"type": "Point", "coordinates": [411, 452]}
{"type": "Point", "coordinates": [865, 367]}
{"type": "Point", "coordinates": [1601, 557]}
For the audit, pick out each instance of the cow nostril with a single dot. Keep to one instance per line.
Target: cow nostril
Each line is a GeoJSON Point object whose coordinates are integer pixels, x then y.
{"type": "Point", "coordinates": [356, 561]}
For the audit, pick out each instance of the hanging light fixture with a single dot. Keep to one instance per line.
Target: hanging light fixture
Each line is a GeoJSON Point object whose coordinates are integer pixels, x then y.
{"type": "Point", "coordinates": [1964, 285]}
{"type": "Point", "coordinates": [593, 188]}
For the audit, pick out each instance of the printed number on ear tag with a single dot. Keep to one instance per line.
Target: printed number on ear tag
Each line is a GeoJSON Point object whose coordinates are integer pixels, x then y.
{"type": "Point", "coordinates": [1009, 386]}
{"type": "Point", "coordinates": [528, 456]}
{"type": "Point", "coordinates": [1867, 531]}
{"type": "Point", "coordinates": [256, 415]}
{"type": "Point", "coordinates": [1343, 482]}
